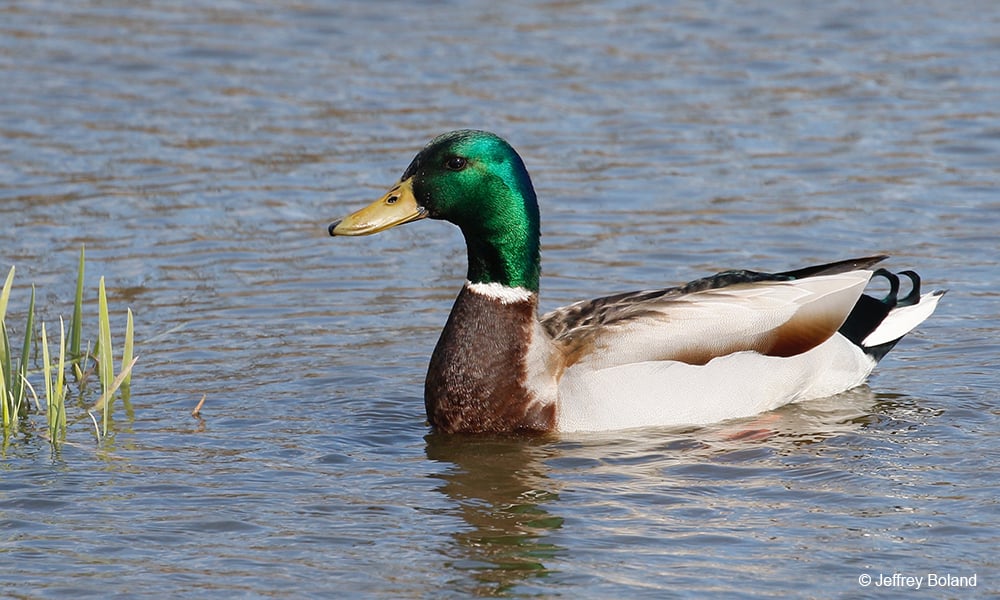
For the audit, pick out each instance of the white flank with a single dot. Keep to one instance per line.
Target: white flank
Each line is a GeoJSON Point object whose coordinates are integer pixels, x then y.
{"type": "Point", "coordinates": [498, 291]}
{"type": "Point", "coordinates": [902, 320]}
{"type": "Point", "coordinates": [668, 393]}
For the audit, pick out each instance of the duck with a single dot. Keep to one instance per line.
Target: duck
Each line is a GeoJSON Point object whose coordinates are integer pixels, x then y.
{"type": "Point", "coordinates": [728, 346]}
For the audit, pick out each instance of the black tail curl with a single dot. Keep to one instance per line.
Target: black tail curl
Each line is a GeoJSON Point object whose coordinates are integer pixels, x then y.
{"type": "Point", "coordinates": [869, 312]}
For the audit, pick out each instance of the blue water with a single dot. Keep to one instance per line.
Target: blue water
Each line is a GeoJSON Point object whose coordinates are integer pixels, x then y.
{"type": "Point", "coordinates": [200, 149]}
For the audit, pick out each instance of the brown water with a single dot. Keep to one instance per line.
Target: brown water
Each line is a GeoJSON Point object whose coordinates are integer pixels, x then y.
{"type": "Point", "coordinates": [199, 150]}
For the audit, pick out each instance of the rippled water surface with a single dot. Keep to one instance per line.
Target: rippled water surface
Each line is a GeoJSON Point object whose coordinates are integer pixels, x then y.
{"type": "Point", "coordinates": [200, 149]}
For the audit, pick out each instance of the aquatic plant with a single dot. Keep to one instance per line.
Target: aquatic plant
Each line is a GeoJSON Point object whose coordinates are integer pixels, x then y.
{"type": "Point", "coordinates": [55, 390]}
{"type": "Point", "coordinates": [15, 380]}
{"type": "Point", "coordinates": [12, 404]}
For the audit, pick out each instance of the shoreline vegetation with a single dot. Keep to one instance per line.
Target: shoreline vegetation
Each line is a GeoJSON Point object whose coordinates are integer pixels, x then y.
{"type": "Point", "coordinates": [35, 375]}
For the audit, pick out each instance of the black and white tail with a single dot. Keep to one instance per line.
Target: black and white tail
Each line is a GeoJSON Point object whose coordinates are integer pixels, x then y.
{"type": "Point", "coordinates": [876, 325]}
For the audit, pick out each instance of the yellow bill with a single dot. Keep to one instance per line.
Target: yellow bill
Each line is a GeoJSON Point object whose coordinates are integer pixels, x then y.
{"type": "Point", "coordinates": [396, 207]}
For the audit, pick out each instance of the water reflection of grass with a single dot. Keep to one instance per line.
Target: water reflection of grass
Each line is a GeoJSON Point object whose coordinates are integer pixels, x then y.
{"type": "Point", "coordinates": [16, 388]}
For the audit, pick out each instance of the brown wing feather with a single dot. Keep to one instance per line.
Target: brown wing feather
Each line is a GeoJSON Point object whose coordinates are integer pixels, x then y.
{"type": "Point", "coordinates": [585, 328]}
{"type": "Point", "coordinates": [609, 309]}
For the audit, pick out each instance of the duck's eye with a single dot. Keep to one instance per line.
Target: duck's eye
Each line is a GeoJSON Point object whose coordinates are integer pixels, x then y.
{"type": "Point", "coordinates": [456, 163]}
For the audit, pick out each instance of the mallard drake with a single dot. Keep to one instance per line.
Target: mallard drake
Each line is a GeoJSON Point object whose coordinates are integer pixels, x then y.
{"type": "Point", "coordinates": [730, 345]}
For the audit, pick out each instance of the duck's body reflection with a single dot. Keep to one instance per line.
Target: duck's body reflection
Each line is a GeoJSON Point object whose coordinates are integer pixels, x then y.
{"type": "Point", "coordinates": [502, 491]}
{"type": "Point", "coordinates": [507, 489]}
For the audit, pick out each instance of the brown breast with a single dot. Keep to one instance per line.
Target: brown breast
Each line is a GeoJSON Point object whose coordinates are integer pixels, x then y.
{"type": "Point", "coordinates": [476, 381]}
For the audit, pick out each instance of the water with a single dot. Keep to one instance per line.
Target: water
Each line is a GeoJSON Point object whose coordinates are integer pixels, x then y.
{"type": "Point", "coordinates": [200, 150]}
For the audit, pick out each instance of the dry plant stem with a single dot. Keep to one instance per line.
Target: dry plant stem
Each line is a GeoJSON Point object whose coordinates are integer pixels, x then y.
{"type": "Point", "coordinates": [114, 385]}
{"type": "Point", "coordinates": [196, 413]}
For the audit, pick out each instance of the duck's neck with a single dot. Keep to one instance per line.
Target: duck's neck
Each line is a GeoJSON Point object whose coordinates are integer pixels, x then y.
{"type": "Point", "coordinates": [504, 249]}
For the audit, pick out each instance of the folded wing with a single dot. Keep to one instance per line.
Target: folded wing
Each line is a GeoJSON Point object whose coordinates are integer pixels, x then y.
{"type": "Point", "coordinates": [774, 315]}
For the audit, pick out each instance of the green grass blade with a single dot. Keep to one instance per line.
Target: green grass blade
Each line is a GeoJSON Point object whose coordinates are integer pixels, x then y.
{"type": "Point", "coordinates": [6, 366]}
{"type": "Point", "coordinates": [47, 375]}
{"type": "Point", "coordinates": [54, 408]}
{"type": "Point", "coordinates": [104, 350]}
{"type": "Point", "coordinates": [127, 351]}
{"type": "Point", "coordinates": [106, 367]}
{"type": "Point", "coordinates": [61, 382]}
{"type": "Point", "coordinates": [5, 412]}
{"type": "Point", "coordinates": [76, 325]}
{"type": "Point", "coordinates": [22, 375]}
{"type": "Point", "coordinates": [5, 293]}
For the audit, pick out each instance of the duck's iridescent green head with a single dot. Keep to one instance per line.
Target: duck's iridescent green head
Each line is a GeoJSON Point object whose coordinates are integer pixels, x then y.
{"type": "Point", "coordinates": [475, 180]}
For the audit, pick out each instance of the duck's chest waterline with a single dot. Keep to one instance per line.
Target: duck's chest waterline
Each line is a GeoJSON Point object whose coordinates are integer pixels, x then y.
{"type": "Point", "coordinates": [482, 376]}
